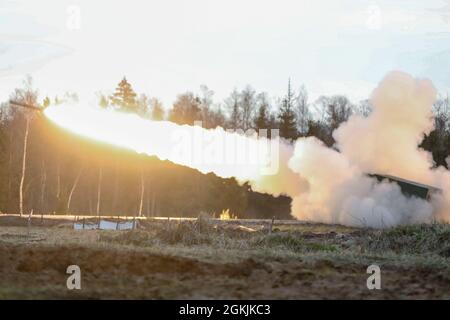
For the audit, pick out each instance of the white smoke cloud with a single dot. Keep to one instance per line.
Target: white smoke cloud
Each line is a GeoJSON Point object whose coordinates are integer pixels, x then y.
{"type": "Point", "coordinates": [386, 142]}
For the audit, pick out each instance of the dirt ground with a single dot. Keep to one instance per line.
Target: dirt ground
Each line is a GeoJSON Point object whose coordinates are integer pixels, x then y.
{"type": "Point", "coordinates": [142, 265]}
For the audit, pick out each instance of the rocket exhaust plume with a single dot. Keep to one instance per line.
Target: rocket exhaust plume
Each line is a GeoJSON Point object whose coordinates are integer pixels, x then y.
{"type": "Point", "coordinates": [326, 185]}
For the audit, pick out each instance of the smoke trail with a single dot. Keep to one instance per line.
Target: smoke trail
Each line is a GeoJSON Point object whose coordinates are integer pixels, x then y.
{"type": "Point", "coordinates": [326, 185]}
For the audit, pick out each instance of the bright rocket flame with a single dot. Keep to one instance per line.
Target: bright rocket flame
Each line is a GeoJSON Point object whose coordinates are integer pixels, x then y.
{"type": "Point", "coordinates": [227, 154]}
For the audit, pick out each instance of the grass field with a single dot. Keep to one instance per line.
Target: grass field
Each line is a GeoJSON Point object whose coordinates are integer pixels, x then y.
{"type": "Point", "coordinates": [211, 259]}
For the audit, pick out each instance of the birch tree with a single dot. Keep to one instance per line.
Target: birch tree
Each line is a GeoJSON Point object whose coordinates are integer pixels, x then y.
{"type": "Point", "coordinates": [28, 95]}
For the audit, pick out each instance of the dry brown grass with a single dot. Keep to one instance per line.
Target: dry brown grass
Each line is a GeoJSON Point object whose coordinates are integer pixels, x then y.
{"type": "Point", "coordinates": [224, 259]}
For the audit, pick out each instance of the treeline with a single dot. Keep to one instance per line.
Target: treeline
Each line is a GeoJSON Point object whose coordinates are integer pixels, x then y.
{"type": "Point", "coordinates": [46, 169]}
{"type": "Point", "coordinates": [293, 114]}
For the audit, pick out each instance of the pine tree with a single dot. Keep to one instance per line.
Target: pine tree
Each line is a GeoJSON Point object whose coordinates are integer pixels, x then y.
{"type": "Point", "coordinates": [263, 123]}
{"type": "Point", "coordinates": [288, 126]}
{"type": "Point", "coordinates": [286, 116]}
{"type": "Point", "coordinates": [262, 120]}
{"type": "Point", "coordinates": [125, 98]}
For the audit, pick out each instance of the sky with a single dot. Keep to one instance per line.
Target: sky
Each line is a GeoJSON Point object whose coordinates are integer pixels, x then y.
{"type": "Point", "coordinates": [168, 47]}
